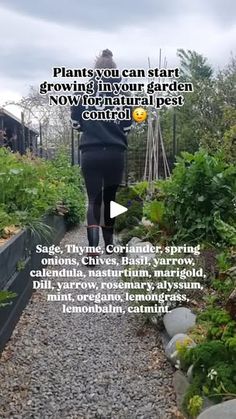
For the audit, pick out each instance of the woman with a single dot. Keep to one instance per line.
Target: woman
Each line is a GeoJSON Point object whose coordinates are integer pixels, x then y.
{"type": "Point", "coordinates": [103, 145]}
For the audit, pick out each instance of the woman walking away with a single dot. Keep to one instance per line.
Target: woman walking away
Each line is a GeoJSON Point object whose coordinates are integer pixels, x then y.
{"type": "Point", "coordinates": [102, 145]}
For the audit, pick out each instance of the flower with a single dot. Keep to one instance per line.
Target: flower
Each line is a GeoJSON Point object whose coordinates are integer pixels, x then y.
{"type": "Point", "coordinates": [212, 374]}
{"type": "Point", "coordinates": [146, 222]}
{"type": "Point", "coordinates": [129, 203]}
{"type": "Point", "coordinates": [177, 364]}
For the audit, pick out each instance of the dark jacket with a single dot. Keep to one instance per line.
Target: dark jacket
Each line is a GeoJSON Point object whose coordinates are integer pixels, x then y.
{"type": "Point", "coordinates": [100, 133]}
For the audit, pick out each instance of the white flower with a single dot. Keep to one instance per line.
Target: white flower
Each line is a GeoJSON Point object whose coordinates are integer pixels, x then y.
{"type": "Point", "coordinates": [212, 374]}
{"type": "Point", "coordinates": [177, 365]}
{"type": "Point", "coordinates": [146, 223]}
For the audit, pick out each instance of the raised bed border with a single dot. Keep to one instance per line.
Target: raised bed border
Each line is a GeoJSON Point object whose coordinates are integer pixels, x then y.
{"type": "Point", "coordinates": [21, 247]}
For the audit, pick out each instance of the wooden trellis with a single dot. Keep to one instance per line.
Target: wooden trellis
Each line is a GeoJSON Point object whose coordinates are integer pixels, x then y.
{"type": "Point", "coordinates": [156, 163]}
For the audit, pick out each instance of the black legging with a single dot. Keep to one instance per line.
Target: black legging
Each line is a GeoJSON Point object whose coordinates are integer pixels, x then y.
{"type": "Point", "coordinates": [102, 169]}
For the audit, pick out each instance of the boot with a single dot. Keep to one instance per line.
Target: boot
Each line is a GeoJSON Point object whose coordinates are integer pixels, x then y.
{"type": "Point", "coordinates": [93, 237]}
{"type": "Point", "coordinates": [107, 232]}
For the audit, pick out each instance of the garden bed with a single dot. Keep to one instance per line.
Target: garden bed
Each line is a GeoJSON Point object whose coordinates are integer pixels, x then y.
{"type": "Point", "coordinates": [195, 207]}
{"type": "Point", "coordinates": [31, 189]}
{"type": "Point", "coordinates": [17, 258]}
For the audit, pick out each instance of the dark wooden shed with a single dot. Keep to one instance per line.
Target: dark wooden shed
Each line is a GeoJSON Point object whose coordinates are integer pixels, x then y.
{"type": "Point", "coordinates": [15, 134]}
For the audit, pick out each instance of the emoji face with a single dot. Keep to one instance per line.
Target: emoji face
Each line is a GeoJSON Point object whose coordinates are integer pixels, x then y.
{"type": "Point", "coordinates": [139, 114]}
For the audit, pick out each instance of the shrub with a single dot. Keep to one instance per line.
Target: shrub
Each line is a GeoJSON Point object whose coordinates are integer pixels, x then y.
{"type": "Point", "coordinates": [213, 360]}
{"type": "Point", "coordinates": [31, 187]}
{"type": "Point", "coordinates": [220, 324]}
{"type": "Point", "coordinates": [214, 373]}
{"type": "Point", "coordinates": [72, 187]}
{"type": "Point", "coordinates": [200, 198]}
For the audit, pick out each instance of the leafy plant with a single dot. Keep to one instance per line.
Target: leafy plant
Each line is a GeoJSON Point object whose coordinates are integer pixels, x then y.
{"type": "Point", "coordinates": [194, 406]}
{"type": "Point", "coordinates": [154, 211]}
{"type": "Point", "coordinates": [202, 189]}
{"type": "Point", "coordinates": [231, 344]}
{"type": "Point", "coordinates": [213, 358]}
{"type": "Point", "coordinates": [220, 381]}
{"type": "Point", "coordinates": [31, 187]}
{"type": "Point", "coordinates": [20, 266]}
{"type": "Point", "coordinates": [129, 198]}
{"type": "Point", "coordinates": [199, 332]}
{"type": "Point", "coordinates": [224, 287]}
{"type": "Point", "coordinates": [214, 372]}
{"type": "Point", "coordinates": [225, 231]}
{"type": "Point", "coordinates": [73, 199]}
{"type": "Point", "coordinates": [141, 189]}
{"type": "Point", "coordinates": [5, 220]}
{"type": "Point", "coordinates": [6, 297]}
{"type": "Point", "coordinates": [223, 261]}
{"type": "Point", "coordinates": [182, 349]}
{"type": "Point", "coordinates": [220, 324]}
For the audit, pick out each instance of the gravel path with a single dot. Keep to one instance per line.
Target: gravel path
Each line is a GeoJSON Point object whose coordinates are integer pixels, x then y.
{"type": "Point", "coordinates": [83, 366]}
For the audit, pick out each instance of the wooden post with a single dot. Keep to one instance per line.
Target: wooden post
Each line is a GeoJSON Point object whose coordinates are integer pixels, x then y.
{"type": "Point", "coordinates": [22, 148]}
{"type": "Point", "coordinates": [126, 169]}
{"type": "Point", "coordinates": [40, 140]}
{"type": "Point", "coordinates": [29, 140]}
{"type": "Point", "coordinates": [79, 154]}
{"type": "Point", "coordinates": [18, 137]}
{"type": "Point", "coordinates": [72, 147]}
{"type": "Point", "coordinates": [1, 128]}
{"type": "Point", "coordinates": [26, 138]}
{"type": "Point", "coordinates": [35, 142]}
{"type": "Point", "coordinates": [174, 135]}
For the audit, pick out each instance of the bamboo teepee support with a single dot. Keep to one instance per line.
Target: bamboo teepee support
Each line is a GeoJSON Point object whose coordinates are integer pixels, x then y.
{"type": "Point", "coordinates": [155, 142]}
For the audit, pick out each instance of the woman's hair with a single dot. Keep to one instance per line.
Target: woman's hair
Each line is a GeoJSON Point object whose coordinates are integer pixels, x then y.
{"type": "Point", "coordinates": [105, 60]}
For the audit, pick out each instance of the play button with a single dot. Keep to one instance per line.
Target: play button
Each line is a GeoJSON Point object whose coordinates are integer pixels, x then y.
{"type": "Point", "coordinates": [116, 209]}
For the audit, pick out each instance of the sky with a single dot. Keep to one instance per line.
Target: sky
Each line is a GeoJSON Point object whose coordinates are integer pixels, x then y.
{"type": "Point", "coordinates": [37, 35]}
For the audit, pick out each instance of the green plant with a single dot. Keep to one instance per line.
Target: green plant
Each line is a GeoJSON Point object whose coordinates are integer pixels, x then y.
{"type": "Point", "coordinates": [73, 199]}
{"type": "Point", "coordinates": [37, 227]}
{"type": "Point", "coordinates": [223, 261]}
{"type": "Point", "coordinates": [199, 332]}
{"type": "Point", "coordinates": [195, 389]}
{"type": "Point", "coordinates": [20, 266]}
{"type": "Point", "coordinates": [5, 220]}
{"type": "Point", "coordinates": [182, 348]}
{"type": "Point", "coordinates": [72, 187]}
{"type": "Point", "coordinates": [202, 189]}
{"type": "Point", "coordinates": [214, 370]}
{"type": "Point", "coordinates": [220, 381]}
{"type": "Point", "coordinates": [213, 358]}
{"type": "Point", "coordinates": [129, 198]}
{"type": "Point", "coordinates": [6, 297]}
{"type": "Point", "coordinates": [220, 324]}
{"type": "Point", "coordinates": [31, 187]}
{"type": "Point", "coordinates": [154, 211]}
{"type": "Point", "coordinates": [226, 232]}
{"type": "Point", "coordinates": [141, 189]}
{"type": "Point", "coordinates": [194, 406]}
{"type": "Point", "coordinates": [224, 286]}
